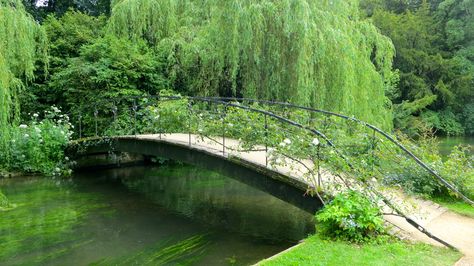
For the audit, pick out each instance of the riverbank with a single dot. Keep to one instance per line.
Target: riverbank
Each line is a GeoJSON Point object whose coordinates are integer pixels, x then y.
{"type": "Point", "coordinates": [317, 251]}
{"type": "Point", "coordinates": [456, 206]}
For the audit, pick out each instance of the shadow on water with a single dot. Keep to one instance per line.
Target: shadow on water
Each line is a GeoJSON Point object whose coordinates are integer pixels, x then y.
{"type": "Point", "coordinates": [168, 215]}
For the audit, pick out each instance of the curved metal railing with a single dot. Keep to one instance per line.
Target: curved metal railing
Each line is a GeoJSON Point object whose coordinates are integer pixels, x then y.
{"type": "Point", "coordinates": [375, 129]}
{"type": "Point", "coordinates": [390, 159]}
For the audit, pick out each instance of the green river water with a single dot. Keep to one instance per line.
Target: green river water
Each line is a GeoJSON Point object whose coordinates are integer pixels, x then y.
{"type": "Point", "coordinates": [169, 215]}
{"type": "Point", "coordinates": [446, 144]}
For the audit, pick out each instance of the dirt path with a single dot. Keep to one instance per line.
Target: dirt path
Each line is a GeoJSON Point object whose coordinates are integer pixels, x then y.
{"type": "Point", "coordinates": [458, 231]}
{"type": "Point", "coordinates": [455, 229]}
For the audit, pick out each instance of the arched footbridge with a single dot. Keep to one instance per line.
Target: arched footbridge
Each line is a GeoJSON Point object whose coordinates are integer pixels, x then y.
{"type": "Point", "coordinates": [298, 154]}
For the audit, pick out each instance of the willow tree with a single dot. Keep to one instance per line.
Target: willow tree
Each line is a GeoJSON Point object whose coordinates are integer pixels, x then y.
{"type": "Point", "coordinates": [309, 52]}
{"type": "Point", "coordinates": [22, 42]}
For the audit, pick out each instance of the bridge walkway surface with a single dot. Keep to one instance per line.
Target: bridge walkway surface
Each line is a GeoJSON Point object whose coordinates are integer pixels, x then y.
{"type": "Point", "coordinates": [455, 229]}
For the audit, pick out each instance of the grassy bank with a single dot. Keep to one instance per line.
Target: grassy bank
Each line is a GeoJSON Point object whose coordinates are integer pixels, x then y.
{"type": "Point", "coordinates": [316, 251]}
{"type": "Point", "coordinates": [457, 206]}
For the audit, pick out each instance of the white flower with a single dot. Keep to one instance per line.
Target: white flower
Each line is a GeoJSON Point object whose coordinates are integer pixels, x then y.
{"type": "Point", "coordinates": [57, 169]}
{"type": "Point", "coordinates": [38, 130]}
{"type": "Point", "coordinates": [66, 158]}
{"type": "Point", "coordinates": [62, 132]}
{"type": "Point", "coordinates": [55, 109]}
{"type": "Point", "coordinates": [26, 135]}
{"type": "Point", "coordinates": [315, 142]}
{"type": "Point", "coordinates": [351, 223]}
{"type": "Point", "coordinates": [23, 126]}
{"type": "Point", "coordinates": [231, 125]}
{"type": "Point", "coordinates": [285, 142]}
{"type": "Point", "coordinates": [35, 115]}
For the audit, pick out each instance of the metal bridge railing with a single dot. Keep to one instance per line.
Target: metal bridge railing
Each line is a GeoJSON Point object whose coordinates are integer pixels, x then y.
{"type": "Point", "coordinates": [367, 153]}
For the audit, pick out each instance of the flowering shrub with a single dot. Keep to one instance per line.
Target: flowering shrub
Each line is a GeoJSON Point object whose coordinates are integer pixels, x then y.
{"type": "Point", "coordinates": [350, 216]}
{"type": "Point", "coordinates": [38, 146]}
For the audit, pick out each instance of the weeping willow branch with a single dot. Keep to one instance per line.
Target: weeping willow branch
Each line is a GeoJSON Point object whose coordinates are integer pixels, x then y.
{"type": "Point", "coordinates": [22, 42]}
{"type": "Point", "coordinates": [313, 53]}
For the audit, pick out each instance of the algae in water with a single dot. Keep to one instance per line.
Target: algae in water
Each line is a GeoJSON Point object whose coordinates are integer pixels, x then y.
{"type": "Point", "coordinates": [42, 227]}
{"type": "Point", "coordinates": [183, 252]}
{"type": "Point", "coordinates": [4, 203]}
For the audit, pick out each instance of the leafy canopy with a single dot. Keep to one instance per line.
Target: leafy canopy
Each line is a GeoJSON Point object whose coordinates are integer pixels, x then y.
{"type": "Point", "coordinates": [22, 42]}
{"type": "Point", "coordinates": [314, 53]}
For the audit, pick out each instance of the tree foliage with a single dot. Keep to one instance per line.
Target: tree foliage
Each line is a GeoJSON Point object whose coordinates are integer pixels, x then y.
{"type": "Point", "coordinates": [435, 56]}
{"type": "Point", "coordinates": [109, 67]}
{"type": "Point", "coordinates": [69, 33]}
{"type": "Point", "coordinates": [315, 53]}
{"type": "Point", "coordinates": [66, 35]}
{"type": "Point", "coordinates": [41, 9]}
{"type": "Point", "coordinates": [22, 42]}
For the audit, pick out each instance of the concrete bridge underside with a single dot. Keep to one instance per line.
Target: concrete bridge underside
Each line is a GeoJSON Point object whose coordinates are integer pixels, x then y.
{"type": "Point", "coordinates": [285, 182]}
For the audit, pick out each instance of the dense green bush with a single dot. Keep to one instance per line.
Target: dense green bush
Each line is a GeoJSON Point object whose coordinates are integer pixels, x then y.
{"type": "Point", "coordinates": [350, 216]}
{"type": "Point", "coordinates": [109, 67]}
{"type": "Point", "coordinates": [444, 122]}
{"type": "Point", "coordinates": [457, 168]}
{"type": "Point", "coordinates": [468, 118]}
{"type": "Point", "coordinates": [66, 35]}
{"type": "Point", "coordinates": [37, 146]}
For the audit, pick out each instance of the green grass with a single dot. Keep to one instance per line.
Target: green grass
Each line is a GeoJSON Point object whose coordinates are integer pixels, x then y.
{"type": "Point", "coordinates": [315, 251]}
{"type": "Point", "coordinates": [456, 206]}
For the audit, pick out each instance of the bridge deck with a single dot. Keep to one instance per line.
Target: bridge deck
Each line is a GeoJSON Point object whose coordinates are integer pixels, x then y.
{"type": "Point", "coordinates": [297, 170]}
{"type": "Point", "coordinates": [455, 229]}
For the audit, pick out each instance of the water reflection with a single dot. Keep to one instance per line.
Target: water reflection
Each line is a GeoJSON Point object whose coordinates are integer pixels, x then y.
{"type": "Point", "coordinates": [446, 144]}
{"type": "Point", "coordinates": [137, 216]}
{"type": "Point", "coordinates": [220, 201]}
